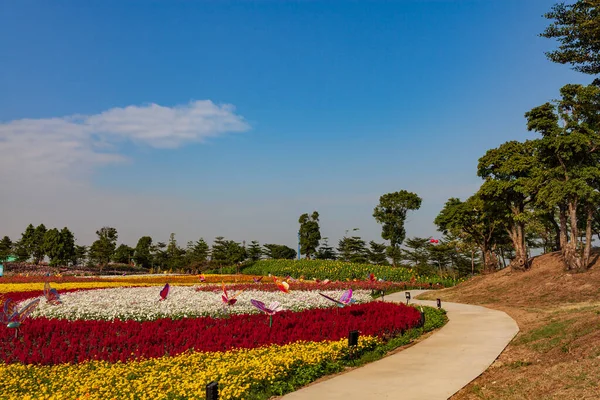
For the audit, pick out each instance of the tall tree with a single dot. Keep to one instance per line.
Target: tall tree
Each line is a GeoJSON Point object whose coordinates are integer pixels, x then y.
{"type": "Point", "coordinates": [104, 247]}
{"type": "Point", "coordinates": [391, 213]}
{"type": "Point", "coordinates": [416, 253]}
{"type": "Point", "coordinates": [38, 247]}
{"type": "Point", "coordinates": [219, 250]}
{"type": "Point", "coordinates": [6, 248]}
{"type": "Point", "coordinates": [569, 151]}
{"type": "Point", "coordinates": [53, 246]}
{"type": "Point", "coordinates": [512, 179]}
{"type": "Point", "coordinates": [79, 255]}
{"type": "Point", "coordinates": [254, 251]}
{"type": "Point", "coordinates": [24, 247]}
{"type": "Point", "coordinates": [577, 28]}
{"type": "Point", "coordinates": [310, 234]}
{"type": "Point", "coordinates": [142, 254]}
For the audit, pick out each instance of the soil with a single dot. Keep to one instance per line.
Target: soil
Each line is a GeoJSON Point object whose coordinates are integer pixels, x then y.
{"type": "Point", "coordinates": [556, 354]}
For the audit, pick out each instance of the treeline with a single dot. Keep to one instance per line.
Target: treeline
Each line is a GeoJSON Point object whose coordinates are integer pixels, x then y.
{"type": "Point", "coordinates": [544, 192]}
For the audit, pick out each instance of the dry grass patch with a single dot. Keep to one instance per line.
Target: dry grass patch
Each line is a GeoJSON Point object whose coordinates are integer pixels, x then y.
{"type": "Point", "coordinates": [556, 354]}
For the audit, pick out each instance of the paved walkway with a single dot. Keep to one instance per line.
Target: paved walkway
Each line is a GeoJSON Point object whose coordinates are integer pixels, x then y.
{"type": "Point", "coordinates": [435, 368]}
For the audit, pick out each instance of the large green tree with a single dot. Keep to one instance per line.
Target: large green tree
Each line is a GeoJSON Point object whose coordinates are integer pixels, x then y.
{"type": "Point", "coordinates": [279, 251]}
{"type": "Point", "coordinates": [102, 250]}
{"type": "Point", "coordinates": [569, 152]}
{"type": "Point", "coordinates": [353, 249]}
{"type": "Point", "coordinates": [6, 248]}
{"type": "Point", "coordinates": [59, 246]}
{"type": "Point", "coordinates": [577, 28]}
{"type": "Point", "coordinates": [254, 251]}
{"type": "Point", "coordinates": [512, 180]}
{"type": "Point", "coordinates": [197, 253]}
{"type": "Point", "coordinates": [391, 213]}
{"type": "Point", "coordinates": [376, 253]}
{"type": "Point", "coordinates": [38, 249]}
{"type": "Point", "coordinates": [142, 254]}
{"type": "Point", "coordinates": [24, 247]}
{"type": "Point", "coordinates": [325, 251]}
{"type": "Point", "coordinates": [123, 254]}
{"type": "Point", "coordinates": [310, 234]}
{"type": "Point", "coordinates": [474, 221]}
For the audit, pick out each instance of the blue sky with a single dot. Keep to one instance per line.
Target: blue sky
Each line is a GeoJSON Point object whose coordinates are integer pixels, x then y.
{"type": "Point", "coordinates": [333, 103]}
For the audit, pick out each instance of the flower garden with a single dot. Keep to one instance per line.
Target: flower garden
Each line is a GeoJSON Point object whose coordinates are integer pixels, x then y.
{"type": "Point", "coordinates": [138, 338]}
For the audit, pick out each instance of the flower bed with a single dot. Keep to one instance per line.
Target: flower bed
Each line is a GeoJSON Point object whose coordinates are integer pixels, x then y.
{"type": "Point", "coordinates": [238, 372]}
{"type": "Point", "coordinates": [141, 303]}
{"type": "Point", "coordinates": [52, 341]}
{"type": "Point", "coordinates": [341, 271]}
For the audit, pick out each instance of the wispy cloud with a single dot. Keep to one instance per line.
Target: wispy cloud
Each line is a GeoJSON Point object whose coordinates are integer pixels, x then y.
{"type": "Point", "coordinates": [68, 147]}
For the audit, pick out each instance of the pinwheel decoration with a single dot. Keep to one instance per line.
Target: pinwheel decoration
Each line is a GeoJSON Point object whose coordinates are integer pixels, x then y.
{"type": "Point", "coordinates": [229, 300]}
{"type": "Point", "coordinates": [273, 308]}
{"type": "Point", "coordinates": [164, 292]}
{"type": "Point", "coordinates": [51, 295]}
{"type": "Point", "coordinates": [344, 300]}
{"type": "Point", "coordinates": [202, 278]}
{"type": "Point", "coordinates": [282, 285]}
{"type": "Point", "coordinates": [257, 280]}
{"type": "Point", "coordinates": [12, 317]}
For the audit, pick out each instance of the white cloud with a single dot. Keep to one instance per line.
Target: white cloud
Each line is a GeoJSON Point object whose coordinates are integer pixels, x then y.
{"type": "Point", "coordinates": [59, 149]}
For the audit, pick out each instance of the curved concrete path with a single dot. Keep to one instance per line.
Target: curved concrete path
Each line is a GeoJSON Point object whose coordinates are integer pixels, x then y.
{"type": "Point", "coordinates": [435, 368]}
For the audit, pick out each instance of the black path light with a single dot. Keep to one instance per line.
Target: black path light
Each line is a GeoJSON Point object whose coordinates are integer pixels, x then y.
{"type": "Point", "coordinates": [407, 294]}
{"type": "Point", "coordinates": [352, 338]}
{"type": "Point", "coordinates": [382, 294]}
{"type": "Point", "coordinates": [422, 320]}
{"type": "Point", "coordinates": [212, 391]}
{"type": "Point", "coordinates": [439, 303]}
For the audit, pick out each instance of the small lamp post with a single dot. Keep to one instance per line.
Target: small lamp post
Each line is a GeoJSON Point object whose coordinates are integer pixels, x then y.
{"type": "Point", "coordinates": [407, 297]}
{"type": "Point", "coordinates": [439, 303]}
{"type": "Point", "coordinates": [352, 338]}
{"type": "Point", "coordinates": [212, 391]}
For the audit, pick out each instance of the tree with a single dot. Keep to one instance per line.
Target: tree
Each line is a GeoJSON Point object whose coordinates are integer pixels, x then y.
{"type": "Point", "coordinates": [376, 253]}
{"type": "Point", "coordinates": [417, 254]}
{"type": "Point", "coordinates": [352, 249]}
{"type": "Point", "coordinates": [24, 247]}
{"type": "Point", "coordinates": [310, 234]}
{"type": "Point", "coordinates": [198, 253]}
{"type": "Point", "coordinates": [254, 251]}
{"type": "Point", "coordinates": [175, 254]}
{"type": "Point", "coordinates": [6, 248]}
{"type": "Point", "coordinates": [219, 250]}
{"type": "Point", "coordinates": [512, 179]}
{"type": "Point", "coordinates": [53, 246]}
{"type": "Point", "coordinates": [104, 247]}
{"type": "Point", "coordinates": [142, 254]}
{"type": "Point", "coordinates": [325, 251]}
{"type": "Point", "coordinates": [474, 221]}
{"type": "Point", "coordinates": [236, 253]}
{"type": "Point", "coordinates": [123, 254]}
{"type": "Point", "coordinates": [569, 152]}
{"type": "Point", "coordinates": [37, 244]}
{"type": "Point", "coordinates": [391, 213]}
{"type": "Point", "coordinates": [279, 252]}
{"type": "Point", "coordinates": [79, 255]}
{"type": "Point", "coordinates": [577, 28]}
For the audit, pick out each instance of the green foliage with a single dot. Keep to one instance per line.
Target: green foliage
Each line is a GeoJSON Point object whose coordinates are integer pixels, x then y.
{"type": "Point", "coordinates": [102, 250]}
{"type": "Point", "coordinates": [37, 244]}
{"type": "Point", "coordinates": [24, 248]}
{"type": "Point", "coordinates": [6, 248]}
{"type": "Point", "coordinates": [197, 253]}
{"type": "Point", "coordinates": [325, 251]}
{"type": "Point", "coordinates": [279, 251]}
{"type": "Point", "coordinates": [255, 253]}
{"type": "Point", "coordinates": [577, 28]}
{"type": "Point", "coordinates": [142, 252]}
{"type": "Point", "coordinates": [219, 250]}
{"type": "Point", "coordinates": [339, 270]}
{"type": "Point", "coordinates": [376, 253]}
{"type": "Point", "coordinates": [310, 234]}
{"type": "Point", "coordinates": [353, 249]}
{"type": "Point", "coordinates": [123, 254]}
{"type": "Point", "coordinates": [59, 246]}
{"type": "Point", "coordinates": [391, 213]}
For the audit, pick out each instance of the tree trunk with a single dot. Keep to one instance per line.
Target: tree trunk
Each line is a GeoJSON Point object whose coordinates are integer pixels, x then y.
{"type": "Point", "coordinates": [573, 259]}
{"type": "Point", "coordinates": [517, 235]}
{"type": "Point", "coordinates": [490, 261]}
{"type": "Point", "coordinates": [585, 262]}
{"type": "Point", "coordinates": [472, 263]}
{"type": "Point", "coordinates": [562, 216]}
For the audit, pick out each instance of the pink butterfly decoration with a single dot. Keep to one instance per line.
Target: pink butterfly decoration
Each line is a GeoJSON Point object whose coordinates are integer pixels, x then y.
{"type": "Point", "coordinates": [344, 300]}
{"type": "Point", "coordinates": [273, 308]}
{"type": "Point", "coordinates": [257, 280]}
{"type": "Point", "coordinates": [227, 299]}
{"type": "Point", "coordinates": [12, 317]}
{"type": "Point", "coordinates": [164, 292]}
